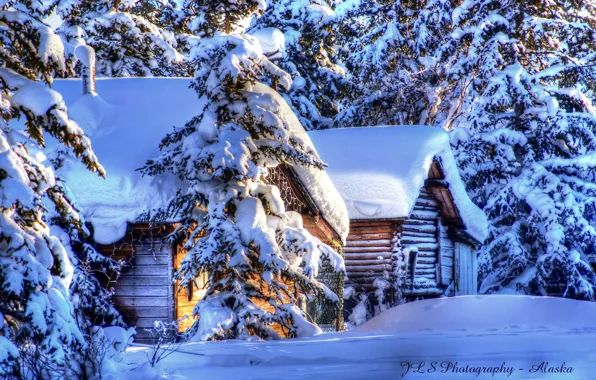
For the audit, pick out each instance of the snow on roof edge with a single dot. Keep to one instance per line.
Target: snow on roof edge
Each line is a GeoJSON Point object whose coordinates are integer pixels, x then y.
{"type": "Point", "coordinates": [384, 167]}
{"type": "Point", "coordinates": [317, 182]}
{"type": "Point", "coordinates": [474, 219]}
{"type": "Point", "coordinates": [117, 118]}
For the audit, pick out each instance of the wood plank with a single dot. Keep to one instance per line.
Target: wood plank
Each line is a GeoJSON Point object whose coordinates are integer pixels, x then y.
{"type": "Point", "coordinates": [438, 271]}
{"type": "Point", "coordinates": [425, 265]}
{"type": "Point", "coordinates": [370, 237]}
{"type": "Point", "coordinates": [365, 249]}
{"type": "Point", "coordinates": [446, 243]}
{"type": "Point", "coordinates": [431, 276]}
{"type": "Point", "coordinates": [148, 250]}
{"type": "Point", "coordinates": [447, 274]}
{"type": "Point", "coordinates": [427, 260]}
{"type": "Point", "coordinates": [370, 230]}
{"type": "Point", "coordinates": [418, 228]}
{"type": "Point", "coordinates": [149, 312]}
{"type": "Point", "coordinates": [447, 260]}
{"type": "Point", "coordinates": [419, 222]}
{"type": "Point", "coordinates": [142, 291]}
{"type": "Point", "coordinates": [140, 301]}
{"type": "Point", "coordinates": [426, 202]}
{"type": "Point", "coordinates": [423, 215]}
{"type": "Point", "coordinates": [426, 234]}
{"type": "Point", "coordinates": [148, 270]}
{"type": "Point", "coordinates": [369, 223]}
{"type": "Point", "coordinates": [367, 255]}
{"type": "Point", "coordinates": [424, 246]}
{"type": "Point", "coordinates": [140, 260]}
{"type": "Point", "coordinates": [425, 272]}
{"type": "Point", "coordinates": [363, 275]}
{"type": "Point", "coordinates": [414, 240]}
{"type": "Point", "coordinates": [143, 280]}
{"type": "Point", "coordinates": [367, 243]}
{"type": "Point", "coordinates": [353, 263]}
{"type": "Point", "coordinates": [379, 268]}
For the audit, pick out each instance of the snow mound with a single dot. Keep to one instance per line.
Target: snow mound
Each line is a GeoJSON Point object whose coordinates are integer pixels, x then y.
{"type": "Point", "coordinates": [126, 121]}
{"type": "Point", "coordinates": [484, 313]}
{"type": "Point", "coordinates": [272, 40]}
{"type": "Point", "coordinates": [379, 171]}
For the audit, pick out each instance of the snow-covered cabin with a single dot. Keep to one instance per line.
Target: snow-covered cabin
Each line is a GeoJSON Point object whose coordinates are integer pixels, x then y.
{"type": "Point", "coordinates": [402, 189]}
{"type": "Point", "coordinates": [126, 122]}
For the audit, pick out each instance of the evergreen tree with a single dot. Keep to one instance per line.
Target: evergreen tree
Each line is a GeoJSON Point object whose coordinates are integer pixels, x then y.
{"type": "Point", "coordinates": [528, 72]}
{"type": "Point", "coordinates": [38, 335]}
{"type": "Point", "coordinates": [391, 53]}
{"type": "Point", "coordinates": [233, 225]}
{"type": "Point", "coordinates": [126, 44]}
{"type": "Point", "coordinates": [93, 274]}
{"type": "Point", "coordinates": [309, 56]}
{"type": "Point", "coordinates": [206, 17]}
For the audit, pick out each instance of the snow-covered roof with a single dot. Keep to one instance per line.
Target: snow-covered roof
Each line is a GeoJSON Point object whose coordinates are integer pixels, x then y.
{"type": "Point", "coordinates": [126, 123]}
{"type": "Point", "coordinates": [379, 171]}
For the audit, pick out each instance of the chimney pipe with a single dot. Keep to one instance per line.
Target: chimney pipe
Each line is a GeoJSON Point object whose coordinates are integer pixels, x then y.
{"type": "Point", "coordinates": [86, 55]}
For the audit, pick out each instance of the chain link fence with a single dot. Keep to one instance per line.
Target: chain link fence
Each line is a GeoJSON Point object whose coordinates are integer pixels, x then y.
{"type": "Point", "coordinates": [326, 314]}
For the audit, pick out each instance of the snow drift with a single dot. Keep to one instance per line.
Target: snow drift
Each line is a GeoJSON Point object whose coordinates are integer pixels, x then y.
{"type": "Point", "coordinates": [484, 313]}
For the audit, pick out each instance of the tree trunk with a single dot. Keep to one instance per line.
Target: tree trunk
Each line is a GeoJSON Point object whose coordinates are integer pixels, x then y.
{"type": "Point", "coordinates": [228, 26]}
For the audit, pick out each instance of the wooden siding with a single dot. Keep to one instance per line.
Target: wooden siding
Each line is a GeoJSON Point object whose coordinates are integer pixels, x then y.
{"type": "Point", "coordinates": [466, 281]}
{"type": "Point", "coordinates": [143, 293]}
{"type": "Point", "coordinates": [446, 251]}
{"type": "Point", "coordinates": [185, 300]}
{"type": "Point", "coordinates": [368, 252]}
{"type": "Point", "coordinates": [421, 230]}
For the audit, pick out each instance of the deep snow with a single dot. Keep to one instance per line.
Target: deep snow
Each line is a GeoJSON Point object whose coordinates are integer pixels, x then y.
{"type": "Point", "coordinates": [516, 332]}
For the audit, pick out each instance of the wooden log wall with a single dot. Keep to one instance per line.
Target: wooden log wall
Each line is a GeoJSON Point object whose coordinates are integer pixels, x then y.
{"type": "Point", "coordinates": [447, 254]}
{"type": "Point", "coordinates": [368, 252]}
{"type": "Point", "coordinates": [144, 291]}
{"type": "Point", "coordinates": [421, 230]}
{"type": "Point", "coordinates": [370, 244]}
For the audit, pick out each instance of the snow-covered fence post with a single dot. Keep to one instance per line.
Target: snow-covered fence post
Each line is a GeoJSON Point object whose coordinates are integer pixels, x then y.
{"type": "Point", "coordinates": [86, 55]}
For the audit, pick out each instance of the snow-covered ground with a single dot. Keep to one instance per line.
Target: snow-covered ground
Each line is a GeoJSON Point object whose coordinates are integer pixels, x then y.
{"type": "Point", "coordinates": [521, 336]}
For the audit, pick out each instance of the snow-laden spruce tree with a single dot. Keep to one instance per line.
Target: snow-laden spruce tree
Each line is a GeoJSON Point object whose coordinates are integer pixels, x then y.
{"type": "Point", "coordinates": [390, 52]}
{"type": "Point", "coordinates": [528, 71]}
{"type": "Point", "coordinates": [233, 224]}
{"type": "Point", "coordinates": [39, 338]}
{"type": "Point", "coordinates": [307, 53]}
{"type": "Point", "coordinates": [93, 276]}
{"type": "Point", "coordinates": [126, 44]}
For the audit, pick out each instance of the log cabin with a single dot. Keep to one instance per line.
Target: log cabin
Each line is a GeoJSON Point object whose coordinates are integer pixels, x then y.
{"type": "Point", "coordinates": [126, 119]}
{"type": "Point", "coordinates": [412, 223]}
